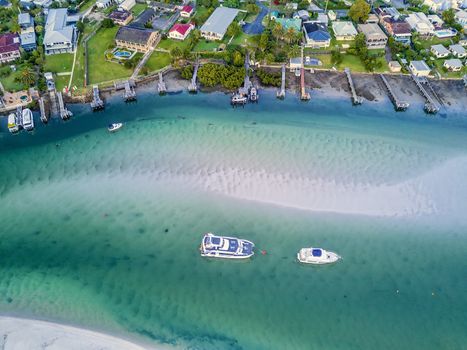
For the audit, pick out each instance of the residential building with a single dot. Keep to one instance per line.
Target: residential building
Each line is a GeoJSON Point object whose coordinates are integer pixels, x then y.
{"type": "Point", "coordinates": [392, 23]}
{"type": "Point", "coordinates": [322, 18]}
{"type": "Point", "coordinates": [454, 64]}
{"type": "Point", "coordinates": [127, 5]}
{"type": "Point", "coordinates": [121, 17]}
{"type": "Point", "coordinates": [375, 37]}
{"type": "Point", "coordinates": [186, 11]}
{"type": "Point", "coordinates": [316, 35]}
{"type": "Point", "coordinates": [332, 15]}
{"type": "Point", "coordinates": [42, 3]}
{"type": "Point", "coordinates": [291, 6]}
{"type": "Point", "coordinates": [387, 12]}
{"type": "Point", "coordinates": [372, 18]}
{"type": "Point", "coordinates": [180, 31]}
{"type": "Point", "coordinates": [25, 20]}
{"type": "Point", "coordinates": [458, 50]}
{"type": "Point", "coordinates": [145, 18]}
{"type": "Point", "coordinates": [216, 25]}
{"type": "Point", "coordinates": [344, 30]}
{"type": "Point", "coordinates": [295, 63]}
{"type": "Point", "coordinates": [420, 23]}
{"type": "Point", "coordinates": [302, 15]}
{"type": "Point", "coordinates": [435, 20]}
{"type": "Point", "coordinates": [60, 36]}
{"type": "Point", "coordinates": [439, 51]}
{"type": "Point", "coordinates": [419, 68]}
{"type": "Point", "coordinates": [288, 23]}
{"type": "Point", "coordinates": [440, 5]}
{"type": "Point", "coordinates": [394, 66]}
{"type": "Point", "coordinates": [461, 18]}
{"type": "Point", "coordinates": [9, 47]}
{"type": "Point", "coordinates": [28, 39]}
{"type": "Point", "coordinates": [136, 39]}
{"type": "Point", "coordinates": [103, 4]}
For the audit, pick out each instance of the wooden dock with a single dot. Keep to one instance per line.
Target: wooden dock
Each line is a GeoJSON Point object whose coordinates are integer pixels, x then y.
{"type": "Point", "coordinates": [44, 116]}
{"type": "Point", "coordinates": [281, 93]}
{"type": "Point", "coordinates": [398, 105]}
{"type": "Point", "coordinates": [96, 103]}
{"type": "Point", "coordinates": [356, 100]}
{"type": "Point", "coordinates": [161, 88]}
{"type": "Point", "coordinates": [193, 87]}
{"type": "Point", "coordinates": [129, 94]}
{"type": "Point", "coordinates": [63, 111]}
{"type": "Point", "coordinates": [431, 106]}
{"type": "Point", "coordinates": [304, 96]}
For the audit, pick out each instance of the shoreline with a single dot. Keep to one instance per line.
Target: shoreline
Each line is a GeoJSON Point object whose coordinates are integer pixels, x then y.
{"type": "Point", "coordinates": [29, 333]}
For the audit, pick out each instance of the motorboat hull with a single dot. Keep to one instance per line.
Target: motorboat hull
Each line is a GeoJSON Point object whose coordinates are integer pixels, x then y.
{"type": "Point", "coordinates": [325, 258]}
{"type": "Point", "coordinates": [223, 247]}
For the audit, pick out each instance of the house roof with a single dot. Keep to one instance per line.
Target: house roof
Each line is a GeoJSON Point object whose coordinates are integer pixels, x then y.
{"type": "Point", "coordinates": [440, 49]}
{"type": "Point", "coordinates": [400, 27]}
{"type": "Point", "coordinates": [316, 31]}
{"type": "Point", "coordinates": [9, 42]}
{"type": "Point", "coordinates": [454, 63]}
{"type": "Point", "coordinates": [181, 28]}
{"type": "Point", "coordinates": [120, 15]}
{"type": "Point", "coordinates": [459, 49]}
{"type": "Point", "coordinates": [287, 23]}
{"type": "Point", "coordinates": [133, 35]}
{"type": "Point", "coordinates": [187, 8]}
{"type": "Point", "coordinates": [344, 28]}
{"type": "Point", "coordinates": [28, 37]}
{"type": "Point", "coordinates": [219, 20]}
{"type": "Point", "coordinates": [24, 18]}
{"type": "Point", "coordinates": [420, 66]}
{"type": "Point", "coordinates": [419, 20]}
{"type": "Point", "coordinates": [371, 29]}
{"type": "Point", "coordinates": [145, 17]}
{"type": "Point", "coordinates": [56, 28]}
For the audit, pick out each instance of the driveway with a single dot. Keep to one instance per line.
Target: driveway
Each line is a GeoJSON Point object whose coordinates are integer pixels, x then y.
{"type": "Point", "coordinates": [256, 27]}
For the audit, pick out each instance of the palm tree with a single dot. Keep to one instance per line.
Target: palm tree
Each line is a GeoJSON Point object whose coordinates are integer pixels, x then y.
{"type": "Point", "coordinates": [294, 51]}
{"type": "Point", "coordinates": [277, 31]}
{"type": "Point", "coordinates": [27, 77]}
{"type": "Point", "coordinates": [290, 35]}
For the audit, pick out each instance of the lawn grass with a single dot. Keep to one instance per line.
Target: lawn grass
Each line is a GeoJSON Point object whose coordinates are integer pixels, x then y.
{"type": "Point", "coordinates": [204, 45]}
{"type": "Point", "coordinates": [86, 5]}
{"type": "Point", "coordinates": [61, 81]}
{"type": "Point", "coordinates": [78, 74]}
{"type": "Point", "coordinates": [242, 39]}
{"type": "Point", "coordinates": [9, 83]}
{"type": "Point", "coordinates": [99, 69]}
{"type": "Point", "coordinates": [447, 74]}
{"type": "Point", "coordinates": [58, 63]}
{"type": "Point", "coordinates": [158, 60]}
{"type": "Point", "coordinates": [169, 44]}
{"type": "Point", "coordinates": [138, 9]}
{"type": "Point", "coordinates": [434, 41]}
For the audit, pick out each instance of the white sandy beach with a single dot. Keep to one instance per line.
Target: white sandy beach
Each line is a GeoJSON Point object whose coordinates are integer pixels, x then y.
{"type": "Point", "coordinates": [22, 334]}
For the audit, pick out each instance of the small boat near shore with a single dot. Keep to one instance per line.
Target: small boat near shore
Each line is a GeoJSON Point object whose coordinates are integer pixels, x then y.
{"type": "Point", "coordinates": [226, 247]}
{"type": "Point", "coordinates": [12, 124]}
{"type": "Point", "coordinates": [28, 120]}
{"type": "Point", "coordinates": [317, 256]}
{"type": "Point", "coordinates": [114, 127]}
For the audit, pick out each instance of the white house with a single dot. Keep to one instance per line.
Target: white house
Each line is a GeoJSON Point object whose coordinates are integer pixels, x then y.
{"type": "Point", "coordinates": [420, 23]}
{"type": "Point", "coordinates": [127, 5]}
{"type": "Point", "coordinates": [102, 4]}
{"type": "Point", "coordinates": [216, 25]}
{"type": "Point", "coordinates": [439, 51]}
{"type": "Point", "coordinates": [440, 5]}
{"type": "Point", "coordinates": [457, 50]}
{"type": "Point", "coordinates": [186, 11]}
{"type": "Point", "coordinates": [419, 68]}
{"type": "Point", "coordinates": [344, 30]}
{"type": "Point", "coordinates": [180, 31]}
{"type": "Point", "coordinates": [454, 64]}
{"type": "Point", "coordinates": [461, 18]}
{"type": "Point", "coordinates": [60, 36]}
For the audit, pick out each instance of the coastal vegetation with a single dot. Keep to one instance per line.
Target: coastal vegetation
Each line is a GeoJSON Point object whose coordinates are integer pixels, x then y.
{"type": "Point", "coordinates": [269, 78]}
{"type": "Point", "coordinates": [212, 74]}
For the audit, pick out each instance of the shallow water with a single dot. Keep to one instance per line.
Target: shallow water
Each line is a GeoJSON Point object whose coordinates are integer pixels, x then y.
{"type": "Point", "coordinates": [102, 230]}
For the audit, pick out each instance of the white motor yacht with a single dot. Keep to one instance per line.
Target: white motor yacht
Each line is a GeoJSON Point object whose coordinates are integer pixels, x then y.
{"type": "Point", "coordinates": [28, 120]}
{"type": "Point", "coordinates": [226, 247]}
{"type": "Point", "coordinates": [317, 256]}
{"type": "Point", "coordinates": [12, 124]}
{"type": "Point", "coordinates": [114, 127]}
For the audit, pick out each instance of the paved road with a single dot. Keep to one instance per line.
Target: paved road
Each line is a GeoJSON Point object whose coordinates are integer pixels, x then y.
{"type": "Point", "coordinates": [256, 27]}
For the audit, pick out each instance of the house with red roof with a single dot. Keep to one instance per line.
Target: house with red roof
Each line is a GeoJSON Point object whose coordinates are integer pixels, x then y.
{"type": "Point", "coordinates": [9, 47]}
{"type": "Point", "coordinates": [186, 11]}
{"type": "Point", "coordinates": [180, 30]}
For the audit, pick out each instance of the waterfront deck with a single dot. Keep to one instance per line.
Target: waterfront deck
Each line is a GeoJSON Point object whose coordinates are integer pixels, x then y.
{"type": "Point", "coordinates": [44, 116]}
{"type": "Point", "coordinates": [63, 111]}
{"type": "Point", "coordinates": [356, 100]}
{"type": "Point", "coordinates": [431, 106]}
{"type": "Point", "coordinates": [130, 93]}
{"type": "Point", "coordinates": [161, 88]}
{"type": "Point", "coordinates": [96, 103]}
{"type": "Point", "coordinates": [398, 104]}
{"type": "Point", "coordinates": [281, 93]}
{"type": "Point", "coordinates": [193, 87]}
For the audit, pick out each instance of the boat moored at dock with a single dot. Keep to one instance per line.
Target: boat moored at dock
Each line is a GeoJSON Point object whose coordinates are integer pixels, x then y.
{"type": "Point", "coordinates": [317, 256]}
{"type": "Point", "coordinates": [28, 120]}
{"type": "Point", "coordinates": [12, 124]}
{"type": "Point", "coordinates": [226, 247]}
{"type": "Point", "coordinates": [238, 99]}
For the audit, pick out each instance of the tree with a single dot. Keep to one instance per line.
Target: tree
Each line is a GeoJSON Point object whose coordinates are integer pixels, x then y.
{"type": "Point", "coordinates": [294, 51]}
{"type": "Point", "coordinates": [176, 52]}
{"type": "Point", "coordinates": [277, 31]}
{"type": "Point", "coordinates": [233, 29]}
{"type": "Point", "coordinates": [263, 41]}
{"type": "Point", "coordinates": [336, 57]}
{"type": "Point", "coordinates": [187, 72]}
{"type": "Point", "coordinates": [252, 8]}
{"type": "Point", "coordinates": [359, 11]}
{"type": "Point", "coordinates": [290, 35]}
{"type": "Point", "coordinates": [449, 17]}
{"type": "Point", "coordinates": [27, 76]}
{"type": "Point", "coordinates": [80, 26]}
{"type": "Point", "coordinates": [237, 58]}
{"type": "Point", "coordinates": [107, 23]}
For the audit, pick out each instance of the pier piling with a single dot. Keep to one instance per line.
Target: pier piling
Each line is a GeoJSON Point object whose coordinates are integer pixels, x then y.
{"type": "Point", "coordinates": [398, 105]}
{"type": "Point", "coordinates": [44, 116]}
{"type": "Point", "coordinates": [96, 103]}
{"type": "Point", "coordinates": [431, 106]}
{"type": "Point", "coordinates": [129, 94]}
{"type": "Point", "coordinates": [64, 112]}
{"type": "Point", "coordinates": [161, 85]}
{"type": "Point", "coordinates": [281, 93]}
{"type": "Point", "coordinates": [356, 100]}
{"type": "Point", "coordinates": [193, 87]}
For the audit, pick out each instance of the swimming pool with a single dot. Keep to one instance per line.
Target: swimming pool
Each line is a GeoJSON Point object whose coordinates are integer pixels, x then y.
{"type": "Point", "coordinates": [120, 54]}
{"type": "Point", "coordinates": [445, 33]}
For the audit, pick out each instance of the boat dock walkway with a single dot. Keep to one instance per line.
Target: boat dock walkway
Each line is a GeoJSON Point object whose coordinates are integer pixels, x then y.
{"type": "Point", "coordinates": [431, 106]}
{"type": "Point", "coordinates": [96, 103]}
{"type": "Point", "coordinates": [246, 81]}
{"type": "Point", "coordinates": [129, 94]}
{"type": "Point", "coordinates": [44, 116]}
{"type": "Point", "coordinates": [193, 87]}
{"type": "Point", "coordinates": [161, 88]}
{"type": "Point", "coordinates": [64, 112]}
{"type": "Point", "coordinates": [356, 100]}
{"type": "Point", "coordinates": [398, 105]}
{"type": "Point", "coordinates": [281, 92]}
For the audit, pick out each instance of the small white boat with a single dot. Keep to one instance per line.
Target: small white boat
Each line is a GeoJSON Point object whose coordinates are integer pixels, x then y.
{"type": "Point", "coordinates": [28, 120]}
{"type": "Point", "coordinates": [317, 256]}
{"type": "Point", "coordinates": [226, 247]}
{"type": "Point", "coordinates": [12, 125]}
{"type": "Point", "coordinates": [238, 99]}
{"type": "Point", "coordinates": [114, 126]}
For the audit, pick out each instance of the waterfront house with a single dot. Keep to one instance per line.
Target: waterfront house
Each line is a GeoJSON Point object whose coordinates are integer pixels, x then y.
{"type": "Point", "coordinates": [180, 31]}
{"type": "Point", "coordinates": [420, 23]}
{"type": "Point", "coordinates": [344, 30]}
{"type": "Point", "coordinates": [392, 23]}
{"type": "Point", "coordinates": [374, 36]}
{"type": "Point", "coordinates": [121, 17]}
{"type": "Point", "coordinates": [127, 5]}
{"type": "Point", "coordinates": [394, 66]}
{"type": "Point", "coordinates": [25, 20]}
{"type": "Point", "coordinates": [457, 51]}
{"type": "Point", "coordinates": [145, 18]}
{"type": "Point", "coordinates": [28, 39]}
{"type": "Point", "coordinates": [136, 39]}
{"type": "Point", "coordinates": [186, 11]}
{"type": "Point", "coordinates": [103, 4]}
{"type": "Point", "coordinates": [302, 15]}
{"type": "Point", "coordinates": [419, 68]}
{"type": "Point", "coordinates": [216, 25]}
{"type": "Point", "coordinates": [453, 65]}
{"type": "Point", "coordinates": [387, 12]}
{"type": "Point", "coordinates": [316, 35]}
{"type": "Point", "coordinates": [439, 51]}
{"type": "Point", "coordinates": [287, 23]}
{"type": "Point", "coordinates": [9, 47]}
{"type": "Point", "coordinates": [60, 36]}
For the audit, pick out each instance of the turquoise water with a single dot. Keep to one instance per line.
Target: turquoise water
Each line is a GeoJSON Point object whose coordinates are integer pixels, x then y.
{"type": "Point", "coordinates": [101, 230]}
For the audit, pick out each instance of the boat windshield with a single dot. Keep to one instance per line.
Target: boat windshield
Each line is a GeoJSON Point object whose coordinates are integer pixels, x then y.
{"type": "Point", "coordinates": [316, 252]}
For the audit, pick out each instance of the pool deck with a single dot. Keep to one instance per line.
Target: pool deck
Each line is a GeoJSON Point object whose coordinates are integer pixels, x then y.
{"type": "Point", "coordinates": [12, 100]}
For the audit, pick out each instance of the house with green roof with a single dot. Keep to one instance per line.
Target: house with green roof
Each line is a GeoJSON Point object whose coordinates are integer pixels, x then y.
{"type": "Point", "coordinates": [287, 23]}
